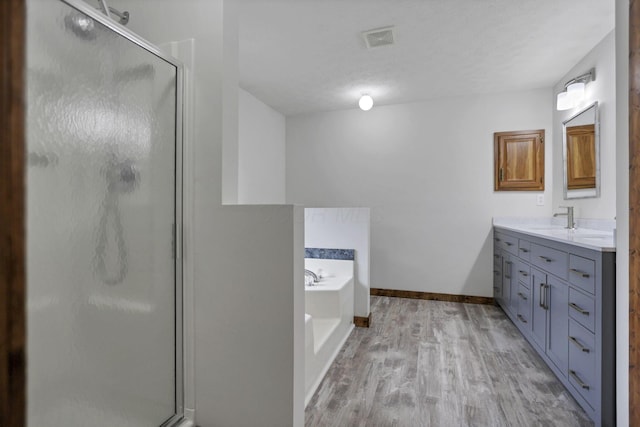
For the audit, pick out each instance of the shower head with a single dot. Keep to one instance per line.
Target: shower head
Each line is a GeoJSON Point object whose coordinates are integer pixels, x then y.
{"type": "Point", "coordinates": [81, 25]}
{"type": "Point", "coordinates": [122, 176]}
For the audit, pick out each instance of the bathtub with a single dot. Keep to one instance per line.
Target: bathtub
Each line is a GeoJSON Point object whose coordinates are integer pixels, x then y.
{"type": "Point", "coordinates": [328, 319]}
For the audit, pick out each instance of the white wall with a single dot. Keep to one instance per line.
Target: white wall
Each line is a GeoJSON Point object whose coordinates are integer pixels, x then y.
{"type": "Point", "coordinates": [261, 152]}
{"type": "Point", "coordinates": [426, 171]}
{"type": "Point", "coordinates": [603, 90]}
{"type": "Point", "coordinates": [344, 228]}
{"type": "Point", "coordinates": [622, 209]}
{"type": "Point", "coordinates": [245, 260]}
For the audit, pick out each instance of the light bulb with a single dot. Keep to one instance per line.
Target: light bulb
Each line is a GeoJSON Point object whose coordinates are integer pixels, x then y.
{"type": "Point", "coordinates": [564, 102]}
{"type": "Point", "coordinates": [365, 103]}
{"type": "Point", "coordinates": [575, 91]}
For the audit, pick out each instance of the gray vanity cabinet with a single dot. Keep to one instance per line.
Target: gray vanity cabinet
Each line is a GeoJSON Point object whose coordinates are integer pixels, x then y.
{"type": "Point", "coordinates": [550, 316]}
{"type": "Point", "coordinates": [562, 299]}
{"type": "Point", "coordinates": [538, 310]}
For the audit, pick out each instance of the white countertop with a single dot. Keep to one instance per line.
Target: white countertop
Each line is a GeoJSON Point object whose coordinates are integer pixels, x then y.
{"type": "Point", "coordinates": [599, 236]}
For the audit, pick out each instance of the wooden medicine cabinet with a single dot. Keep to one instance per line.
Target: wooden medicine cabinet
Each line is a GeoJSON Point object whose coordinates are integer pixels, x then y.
{"type": "Point", "coordinates": [519, 160]}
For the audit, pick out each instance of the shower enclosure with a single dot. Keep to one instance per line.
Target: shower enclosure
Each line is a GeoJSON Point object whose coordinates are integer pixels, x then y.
{"type": "Point", "coordinates": [104, 303]}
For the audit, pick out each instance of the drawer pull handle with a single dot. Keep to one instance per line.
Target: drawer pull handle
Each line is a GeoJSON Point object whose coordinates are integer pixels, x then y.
{"type": "Point", "coordinates": [496, 256]}
{"type": "Point", "coordinates": [508, 262]}
{"type": "Point", "coordinates": [577, 343]}
{"type": "Point", "coordinates": [578, 309]}
{"type": "Point", "coordinates": [578, 380]}
{"type": "Point", "coordinates": [508, 243]}
{"type": "Point", "coordinates": [524, 273]}
{"type": "Point", "coordinates": [521, 318]}
{"type": "Point", "coordinates": [582, 273]}
{"type": "Point", "coordinates": [496, 239]}
{"type": "Point", "coordinates": [524, 250]}
{"type": "Point", "coordinates": [523, 296]}
{"type": "Point", "coordinates": [544, 258]}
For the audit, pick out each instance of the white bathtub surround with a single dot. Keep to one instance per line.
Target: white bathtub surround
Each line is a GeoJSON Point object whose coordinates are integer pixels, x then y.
{"type": "Point", "coordinates": [595, 234]}
{"type": "Point", "coordinates": [328, 318]}
{"type": "Point", "coordinates": [344, 228]}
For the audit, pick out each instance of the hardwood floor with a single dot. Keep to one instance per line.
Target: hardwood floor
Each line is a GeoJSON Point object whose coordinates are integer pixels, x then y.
{"type": "Point", "coordinates": [432, 363]}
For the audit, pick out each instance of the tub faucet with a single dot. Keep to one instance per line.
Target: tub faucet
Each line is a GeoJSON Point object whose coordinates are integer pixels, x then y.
{"type": "Point", "coordinates": [312, 275]}
{"type": "Point", "coordinates": [569, 213]}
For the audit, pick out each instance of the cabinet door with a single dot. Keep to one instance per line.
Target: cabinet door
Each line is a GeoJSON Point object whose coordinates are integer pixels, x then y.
{"type": "Point", "coordinates": [538, 309]}
{"type": "Point", "coordinates": [558, 323]}
{"type": "Point", "coordinates": [519, 160]}
{"type": "Point", "coordinates": [507, 277]}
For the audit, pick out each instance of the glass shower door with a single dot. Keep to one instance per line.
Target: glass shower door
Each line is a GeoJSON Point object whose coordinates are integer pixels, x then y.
{"type": "Point", "coordinates": [104, 289]}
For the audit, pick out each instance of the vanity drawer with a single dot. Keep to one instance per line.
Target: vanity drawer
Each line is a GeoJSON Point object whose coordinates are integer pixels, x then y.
{"type": "Point", "coordinates": [509, 244]}
{"type": "Point", "coordinates": [582, 308]}
{"type": "Point", "coordinates": [551, 260]}
{"type": "Point", "coordinates": [524, 306]}
{"type": "Point", "coordinates": [582, 273]}
{"type": "Point", "coordinates": [582, 362]}
{"type": "Point", "coordinates": [524, 274]}
{"type": "Point", "coordinates": [524, 249]}
{"type": "Point", "coordinates": [497, 262]}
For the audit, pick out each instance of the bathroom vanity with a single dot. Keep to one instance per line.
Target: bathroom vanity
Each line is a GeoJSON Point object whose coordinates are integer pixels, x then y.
{"type": "Point", "coordinates": [558, 288]}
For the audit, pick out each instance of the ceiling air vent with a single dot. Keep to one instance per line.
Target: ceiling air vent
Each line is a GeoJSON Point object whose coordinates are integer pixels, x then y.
{"type": "Point", "coordinates": [378, 37]}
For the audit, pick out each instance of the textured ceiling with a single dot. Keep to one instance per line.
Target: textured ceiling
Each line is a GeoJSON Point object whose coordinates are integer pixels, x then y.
{"type": "Point", "coordinates": [302, 56]}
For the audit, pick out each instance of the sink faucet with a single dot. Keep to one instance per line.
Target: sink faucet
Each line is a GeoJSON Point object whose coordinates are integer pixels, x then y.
{"type": "Point", "coordinates": [569, 213]}
{"type": "Point", "coordinates": [312, 275]}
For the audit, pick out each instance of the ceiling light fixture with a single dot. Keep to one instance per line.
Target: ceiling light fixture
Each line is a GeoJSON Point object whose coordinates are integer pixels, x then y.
{"type": "Point", "coordinates": [574, 90]}
{"type": "Point", "coordinates": [365, 103]}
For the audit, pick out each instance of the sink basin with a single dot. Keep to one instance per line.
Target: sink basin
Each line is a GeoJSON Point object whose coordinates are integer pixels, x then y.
{"type": "Point", "coordinates": [547, 228]}
{"type": "Point", "coordinates": [586, 237]}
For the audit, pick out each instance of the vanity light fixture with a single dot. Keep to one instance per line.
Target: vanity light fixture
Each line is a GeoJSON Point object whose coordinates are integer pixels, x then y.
{"type": "Point", "coordinates": [365, 103]}
{"type": "Point", "coordinates": [573, 92]}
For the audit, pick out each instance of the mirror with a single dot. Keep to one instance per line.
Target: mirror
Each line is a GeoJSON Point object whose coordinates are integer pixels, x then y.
{"type": "Point", "coordinates": [581, 154]}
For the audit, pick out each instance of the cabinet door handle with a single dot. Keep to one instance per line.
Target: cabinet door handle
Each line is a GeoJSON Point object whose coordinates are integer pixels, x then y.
{"type": "Point", "coordinates": [546, 296]}
{"type": "Point", "coordinates": [577, 343]}
{"type": "Point", "coordinates": [544, 258]}
{"type": "Point", "coordinates": [524, 250]}
{"type": "Point", "coordinates": [541, 299]}
{"type": "Point", "coordinates": [578, 380]}
{"type": "Point", "coordinates": [582, 273]}
{"type": "Point", "coordinates": [524, 273]}
{"type": "Point", "coordinates": [578, 309]}
{"type": "Point", "coordinates": [521, 318]}
{"type": "Point", "coordinates": [523, 296]}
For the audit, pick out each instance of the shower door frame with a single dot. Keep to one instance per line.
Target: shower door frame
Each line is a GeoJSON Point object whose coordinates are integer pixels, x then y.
{"type": "Point", "coordinates": [112, 25]}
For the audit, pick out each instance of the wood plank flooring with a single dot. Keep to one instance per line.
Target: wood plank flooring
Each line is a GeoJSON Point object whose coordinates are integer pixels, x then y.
{"type": "Point", "coordinates": [432, 363]}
